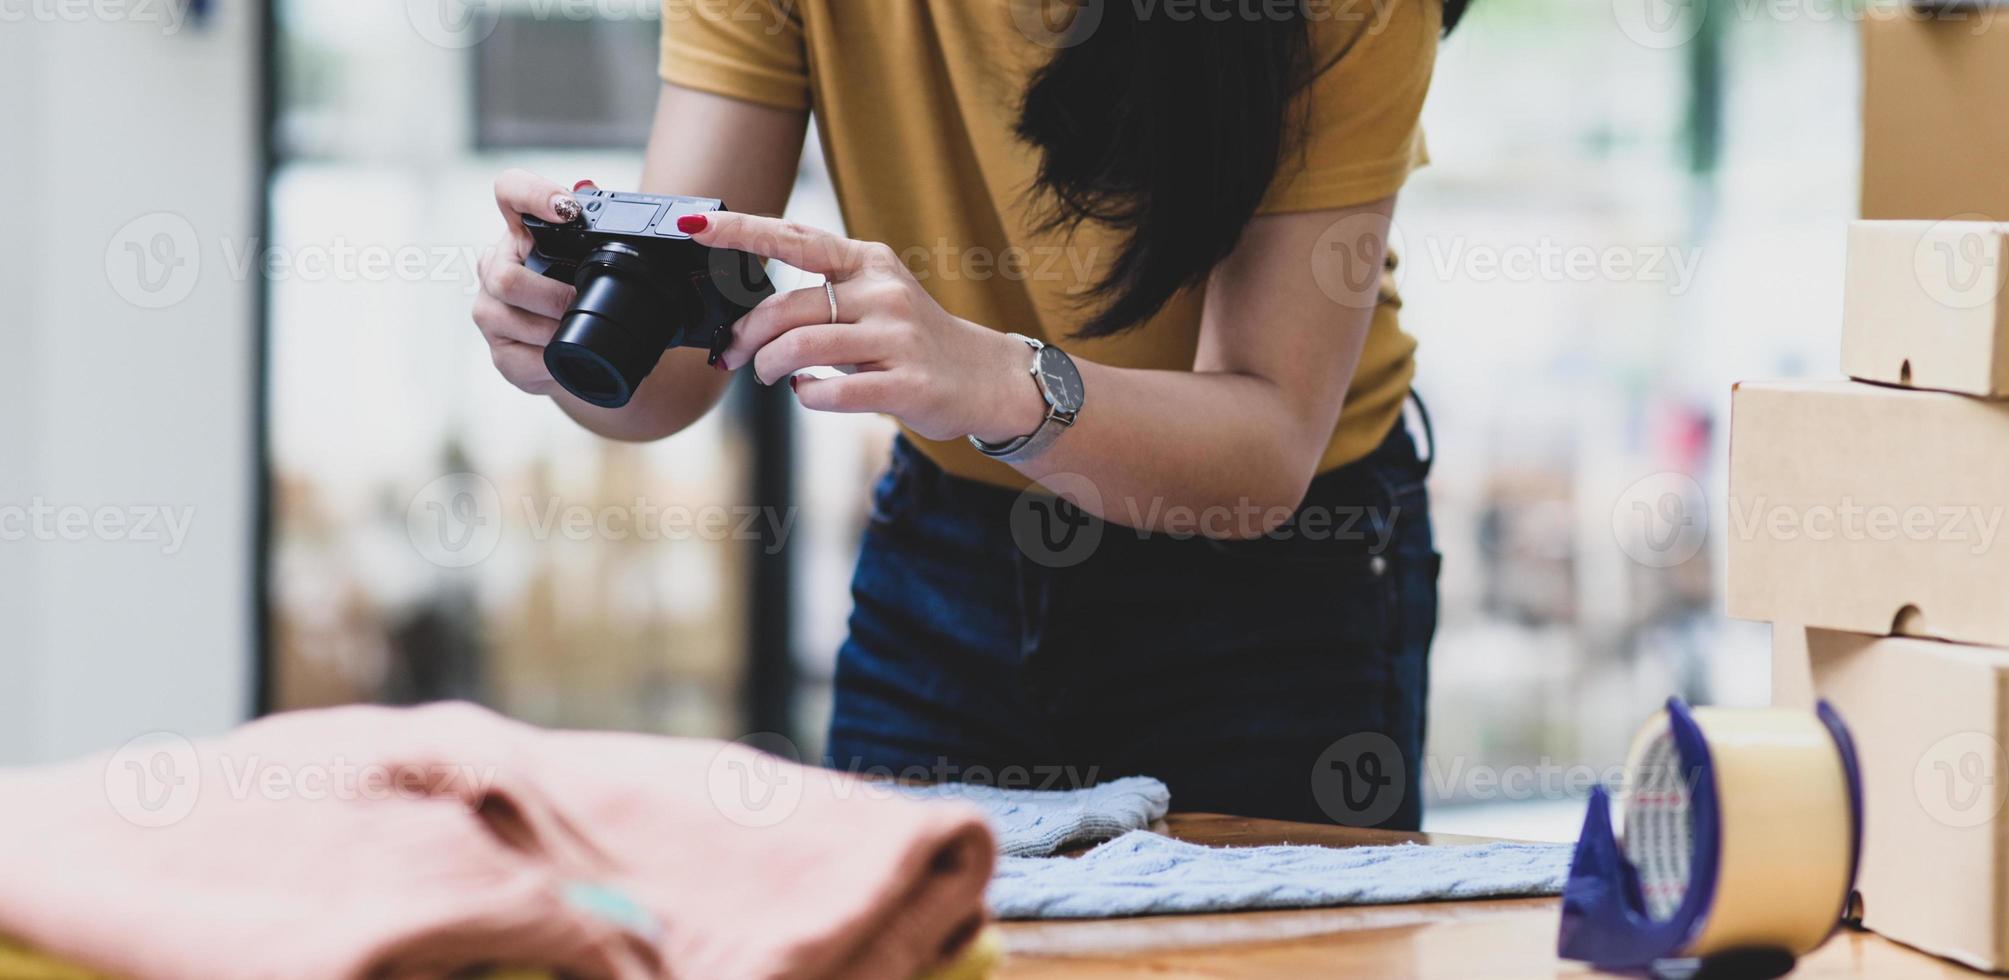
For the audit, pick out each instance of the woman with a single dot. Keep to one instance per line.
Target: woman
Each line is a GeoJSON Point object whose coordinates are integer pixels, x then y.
{"type": "Point", "coordinates": [1131, 250]}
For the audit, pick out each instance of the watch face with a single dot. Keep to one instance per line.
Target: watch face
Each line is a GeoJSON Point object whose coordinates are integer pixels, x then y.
{"type": "Point", "coordinates": [1059, 379]}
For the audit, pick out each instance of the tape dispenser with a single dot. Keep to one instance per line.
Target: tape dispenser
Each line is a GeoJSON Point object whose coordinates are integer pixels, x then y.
{"type": "Point", "coordinates": [1741, 832]}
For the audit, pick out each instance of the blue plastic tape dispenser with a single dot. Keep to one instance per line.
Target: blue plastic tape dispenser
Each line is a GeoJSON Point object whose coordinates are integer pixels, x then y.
{"type": "Point", "coordinates": [1737, 854]}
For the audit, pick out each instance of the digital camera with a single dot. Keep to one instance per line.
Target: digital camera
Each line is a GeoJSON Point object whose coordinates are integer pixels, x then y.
{"type": "Point", "coordinates": [644, 287]}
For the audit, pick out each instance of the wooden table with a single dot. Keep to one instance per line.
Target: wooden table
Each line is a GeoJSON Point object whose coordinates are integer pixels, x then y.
{"type": "Point", "coordinates": [1508, 938]}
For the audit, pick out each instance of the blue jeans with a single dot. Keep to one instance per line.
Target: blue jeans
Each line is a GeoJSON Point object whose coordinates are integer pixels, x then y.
{"type": "Point", "coordinates": [1281, 677]}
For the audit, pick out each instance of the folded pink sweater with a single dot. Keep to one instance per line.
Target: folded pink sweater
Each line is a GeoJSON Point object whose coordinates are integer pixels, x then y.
{"type": "Point", "coordinates": [378, 842]}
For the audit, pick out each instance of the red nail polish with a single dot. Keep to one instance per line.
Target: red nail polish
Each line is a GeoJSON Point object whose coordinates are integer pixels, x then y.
{"type": "Point", "coordinates": [792, 379]}
{"type": "Point", "coordinates": [691, 224]}
{"type": "Point", "coordinates": [582, 185]}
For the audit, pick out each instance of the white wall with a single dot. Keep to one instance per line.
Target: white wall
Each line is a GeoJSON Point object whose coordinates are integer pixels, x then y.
{"type": "Point", "coordinates": [136, 132]}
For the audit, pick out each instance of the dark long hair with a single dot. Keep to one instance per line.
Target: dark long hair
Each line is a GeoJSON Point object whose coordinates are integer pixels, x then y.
{"type": "Point", "coordinates": [1169, 130]}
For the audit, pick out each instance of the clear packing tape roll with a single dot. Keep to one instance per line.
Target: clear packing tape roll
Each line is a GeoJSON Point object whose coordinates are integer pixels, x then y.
{"type": "Point", "coordinates": [1740, 835]}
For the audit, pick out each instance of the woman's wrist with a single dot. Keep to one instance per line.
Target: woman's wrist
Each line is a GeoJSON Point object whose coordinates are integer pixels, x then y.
{"type": "Point", "coordinates": [1015, 407]}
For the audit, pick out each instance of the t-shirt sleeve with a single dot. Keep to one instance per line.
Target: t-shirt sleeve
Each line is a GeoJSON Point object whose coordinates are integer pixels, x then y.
{"type": "Point", "coordinates": [742, 49]}
{"type": "Point", "coordinates": [1363, 131]}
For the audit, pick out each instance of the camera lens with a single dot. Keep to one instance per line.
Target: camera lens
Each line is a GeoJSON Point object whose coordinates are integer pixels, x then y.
{"type": "Point", "coordinates": [588, 375]}
{"type": "Point", "coordinates": [617, 329]}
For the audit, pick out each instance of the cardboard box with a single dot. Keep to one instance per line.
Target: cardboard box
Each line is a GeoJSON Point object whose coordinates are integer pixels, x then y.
{"type": "Point", "coordinates": [1870, 509]}
{"type": "Point", "coordinates": [1925, 305]}
{"type": "Point", "coordinates": [1936, 113]}
{"type": "Point", "coordinates": [1928, 719]}
{"type": "Point", "coordinates": [1792, 668]}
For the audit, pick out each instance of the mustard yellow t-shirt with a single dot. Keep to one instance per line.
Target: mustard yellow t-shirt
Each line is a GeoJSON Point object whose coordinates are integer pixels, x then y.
{"type": "Point", "coordinates": [916, 101]}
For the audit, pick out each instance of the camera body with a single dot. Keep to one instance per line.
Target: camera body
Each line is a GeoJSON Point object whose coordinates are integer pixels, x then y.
{"type": "Point", "coordinates": [643, 287]}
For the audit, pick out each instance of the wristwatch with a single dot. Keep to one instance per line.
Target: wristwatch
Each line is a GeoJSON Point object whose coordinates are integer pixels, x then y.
{"type": "Point", "coordinates": [1060, 384]}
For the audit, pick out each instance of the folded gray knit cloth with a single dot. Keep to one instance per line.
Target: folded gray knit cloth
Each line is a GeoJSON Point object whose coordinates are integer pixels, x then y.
{"type": "Point", "coordinates": [1146, 874]}
{"type": "Point", "coordinates": [1034, 823]}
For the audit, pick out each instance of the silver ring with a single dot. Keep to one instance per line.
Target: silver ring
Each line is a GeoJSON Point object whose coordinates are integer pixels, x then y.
{"type": "Point", "coordinates": [830, 292]}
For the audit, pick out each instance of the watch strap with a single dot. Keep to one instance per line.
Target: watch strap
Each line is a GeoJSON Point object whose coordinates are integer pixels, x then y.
{"type": "Point", "coordinates": [1030, 445]}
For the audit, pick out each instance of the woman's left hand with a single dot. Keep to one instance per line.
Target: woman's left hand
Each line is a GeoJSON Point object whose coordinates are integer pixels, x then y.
{"type": "Point", "coordinates": [941, 375]}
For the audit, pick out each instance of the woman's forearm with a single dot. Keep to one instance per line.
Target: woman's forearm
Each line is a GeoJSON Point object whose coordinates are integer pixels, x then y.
{"type": "Point", "coordinates": [1219, 454]}
{"type": "Point", "coordinates": [1230, 445]}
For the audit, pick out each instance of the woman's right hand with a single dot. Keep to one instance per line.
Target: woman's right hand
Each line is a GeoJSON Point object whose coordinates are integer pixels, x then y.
{"type": "Point", "coordinates": [517, 309]}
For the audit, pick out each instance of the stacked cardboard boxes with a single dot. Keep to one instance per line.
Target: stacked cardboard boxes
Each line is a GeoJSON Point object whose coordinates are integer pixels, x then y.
{"type": "Point", "coordinates": [1867, 523]}
{"type": "Point", "coordinates": [1867, 516]}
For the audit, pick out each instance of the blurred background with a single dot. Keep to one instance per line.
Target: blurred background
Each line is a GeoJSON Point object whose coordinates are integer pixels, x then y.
{"type": "Point", "coordinates": [251, 311]}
